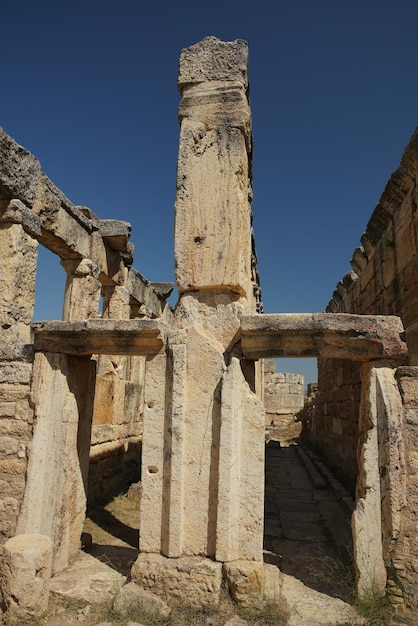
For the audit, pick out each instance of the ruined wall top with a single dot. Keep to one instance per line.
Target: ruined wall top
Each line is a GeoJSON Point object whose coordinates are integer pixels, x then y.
{"type": "Point", "coordinates": [213, 59]}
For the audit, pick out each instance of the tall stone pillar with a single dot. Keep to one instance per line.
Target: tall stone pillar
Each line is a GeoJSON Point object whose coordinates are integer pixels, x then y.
{"type": "Point", "coordinates": [203, 458]}
{"type": "Point", "coordinates": [62, 394]}
{"type": "Point", "coordinates": [18, 260]}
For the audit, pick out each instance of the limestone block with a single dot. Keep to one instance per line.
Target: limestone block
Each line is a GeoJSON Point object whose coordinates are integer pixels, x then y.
{"type": "Point", "coordinates": [392, 464]}
{"type": "Point", "coordinates": [10, 446]}
{"type": "Point", "coordinates": [193, 580]}
{"type": "Point", "coordinates": [271, 583]}
{"type": "Point", "coordinates": [132, 599]}
{"type": "Point", "coordinates": [218, 314]}
{"type": "Point", "coordinates": [408, 383]}
{"type": "Point", "coordinates": [25, 574]}
{"type": "Point", "coordinates": [174, 467]}
{"type": "Point", "coordinates": [330, 335]}
{"type": "Point", "coordinates": [99, 336]}
{"type": "Point", "coordinates": [308, 607]}
{"type": "Point", "coordinates": [7, 409]}
{"type": "Point", "coordinates": [109, 399]}
{"type": "Point", "coordinates": [16, 429]}
{"type": "Point", "coordinates": [15, 372]}
{"type": "Point", "coordinates": [8, 507]}
{"type": "Point", "coordinates": [14, 488]}
{"type": "Point", "coordinates": [88, 580]}
{"type": "Point", "coordinates": [240, 503]}
{"type": "Point", "coordinates": [13, 467]}
{"type": "Point", "coordinates": [212, 59]}
{"type": "Point", "coordinates": [245, 581]}
{"type": "Point", "coordinates": [116, 233]}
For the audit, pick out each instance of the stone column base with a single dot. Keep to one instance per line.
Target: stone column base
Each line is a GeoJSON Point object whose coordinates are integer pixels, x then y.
{"type": "Point", "coordinates": [193, 580]}
{"type": "Point", "coordinates": [25, 576]}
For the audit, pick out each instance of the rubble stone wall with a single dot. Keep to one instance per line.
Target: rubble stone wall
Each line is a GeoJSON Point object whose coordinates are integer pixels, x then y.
{"type": "Point", "coordinates": [404, 561]}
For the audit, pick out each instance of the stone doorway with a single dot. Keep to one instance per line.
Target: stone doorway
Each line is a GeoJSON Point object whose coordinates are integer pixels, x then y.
{"type": "Point", "coordinates": [307, 513]}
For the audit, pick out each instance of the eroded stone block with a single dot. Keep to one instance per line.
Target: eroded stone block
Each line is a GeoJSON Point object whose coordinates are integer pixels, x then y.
{"type": "Point", "coordinates": [190, 579]}
{"type": "Point", "coordinates": [25, 576]}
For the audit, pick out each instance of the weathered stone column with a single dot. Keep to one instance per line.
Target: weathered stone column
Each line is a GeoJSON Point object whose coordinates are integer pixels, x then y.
{"type": "Point", "coordinates": [55, 498]}
{"type": "Point", "coordinates": [203, 457]}
{"type": "Point", "coordinates": [62, 394]}
{"type": "Point", "coordinates": [82, 290]}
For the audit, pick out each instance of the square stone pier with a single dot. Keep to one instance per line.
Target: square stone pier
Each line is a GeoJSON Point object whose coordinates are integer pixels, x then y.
{"type": "Point", "coordinates": [203, 442]}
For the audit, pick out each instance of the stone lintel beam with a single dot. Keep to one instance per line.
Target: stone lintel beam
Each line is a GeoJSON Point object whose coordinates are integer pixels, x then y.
{"type": "Point", "coordinates": [16, 212]}
{"type": "Point", "coordinates": [323, 335]}
{"type": "Point", "coordinates": [20, 171]}
{"type": "Point", "coordinates": [99, 336]}
{"type": "Point", "coordinates": [163, 290]}
{"type": "Point", "coordinates": [115, 233]}
{"type": "Point", "coordinates": [141, 290]}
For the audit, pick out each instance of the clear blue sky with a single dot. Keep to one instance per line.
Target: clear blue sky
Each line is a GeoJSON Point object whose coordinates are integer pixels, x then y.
{"type": "Point", "coordinates": [90, 88]}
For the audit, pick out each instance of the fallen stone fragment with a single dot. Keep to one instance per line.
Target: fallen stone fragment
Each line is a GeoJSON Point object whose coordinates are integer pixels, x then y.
{"type": "Point", "coordinates": [307, 607]}
{"type": "Point", "coordinates": [88, 579]}
{"type": "Point", "coordinates": [132, 598]}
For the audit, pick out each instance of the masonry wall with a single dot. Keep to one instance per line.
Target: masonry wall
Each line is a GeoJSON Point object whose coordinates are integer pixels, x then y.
{"type": "Point", "coordinates": [383, 281]}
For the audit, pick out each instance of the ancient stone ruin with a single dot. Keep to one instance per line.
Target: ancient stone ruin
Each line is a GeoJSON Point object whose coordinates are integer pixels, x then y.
{"type": "Point", "coordinates": [82, 399]}
{"type": "Point", "coordinates": [284, 394]}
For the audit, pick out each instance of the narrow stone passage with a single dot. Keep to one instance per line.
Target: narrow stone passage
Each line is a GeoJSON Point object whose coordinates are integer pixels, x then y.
{"type": "Point", "coordinates": [307, 531]}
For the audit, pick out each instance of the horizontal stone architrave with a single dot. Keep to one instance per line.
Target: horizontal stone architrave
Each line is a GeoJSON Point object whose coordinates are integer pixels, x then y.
{"type": "Point", "coordinates": [28, 197]}
{"type": "Point", "coordinates": [97, 336]}
{"type": "Point", "coordinates": [323, 335]}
